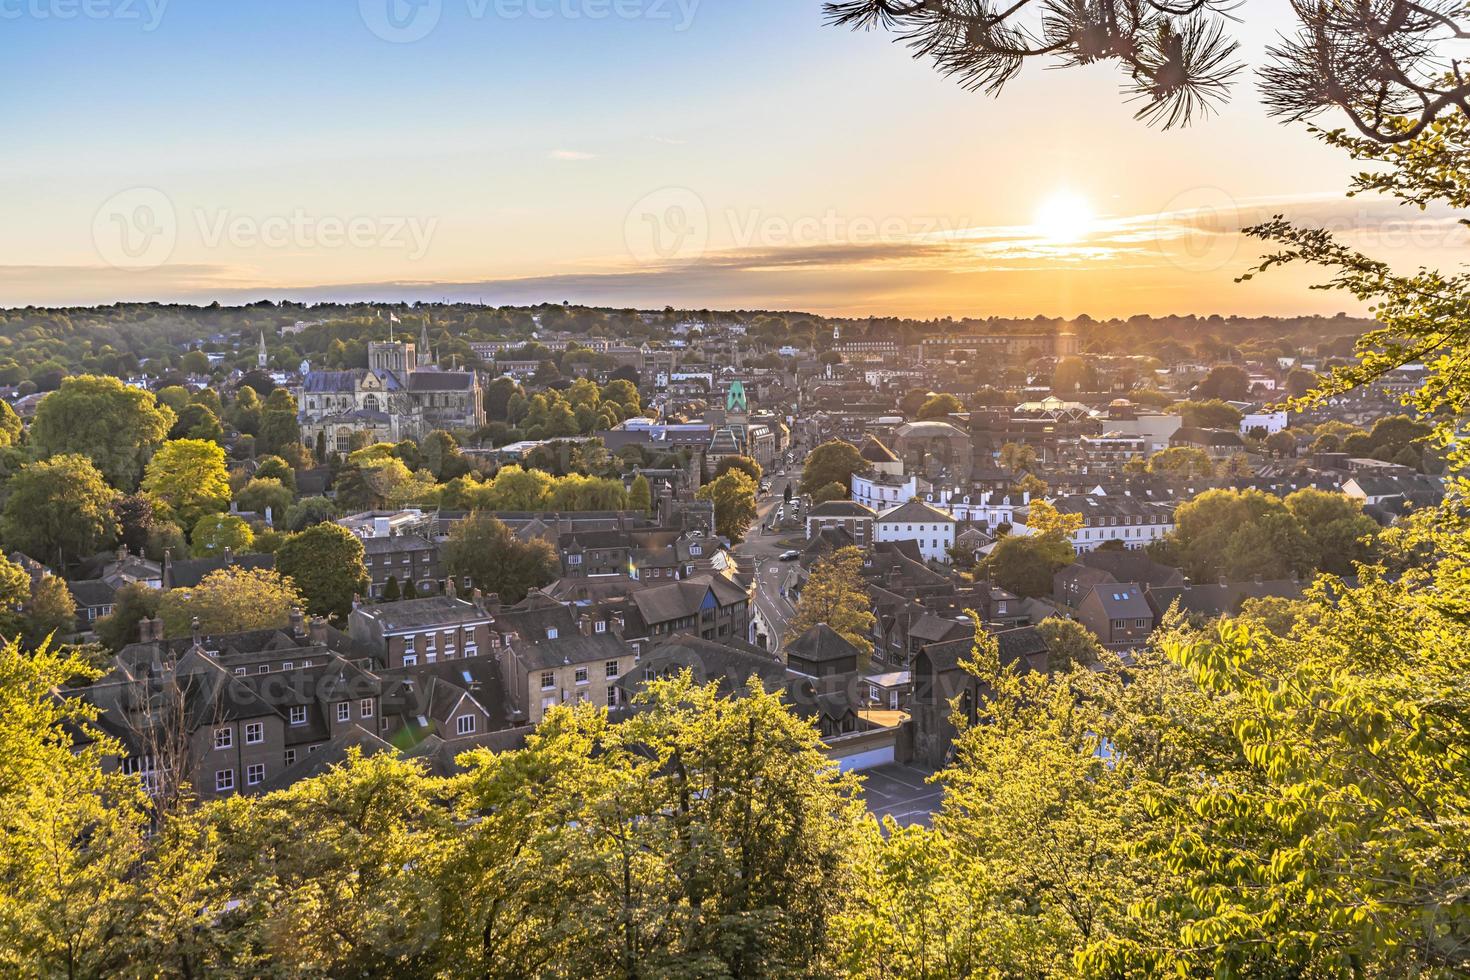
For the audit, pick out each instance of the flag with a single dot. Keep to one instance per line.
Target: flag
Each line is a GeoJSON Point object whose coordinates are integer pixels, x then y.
{"type": "Point", "coordinates": [393, 318]}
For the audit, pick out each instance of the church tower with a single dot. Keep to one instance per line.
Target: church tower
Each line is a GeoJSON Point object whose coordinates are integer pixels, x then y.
{"type": "Point", "coordinates": [261, 357]}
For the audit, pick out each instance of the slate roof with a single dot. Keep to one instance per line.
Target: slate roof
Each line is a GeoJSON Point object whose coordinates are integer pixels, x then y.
{"type": "Point", "coordinates": [189, 572]}
{"type": "Point", "coordinates": [1121, 600]}
{"type": "Point", "coordinates": [1188, 436]}
{"type": "Point", "coordinates": [1219, 600]}
{"type": "Point", "coordinates": [821, 644]}
{"type": "Point", "coordinates": [841, 509]}
{"type": "Point", "coordinates": [407, 614]}
{"type": "Point", "coordinates": [440, 381]}
{"type": "Point", "coordinates": [1023, 646]}
{"type": "Point", "coordinates": [914, 512]}
{"type": "Point", "coordinates": [330, 382]}
{"type": "Point", "coordinates": [875, 452]}
{"type": "Point", "coordinates": [732, 663]}
{"type": "Point", "coordinates": [92, 593]}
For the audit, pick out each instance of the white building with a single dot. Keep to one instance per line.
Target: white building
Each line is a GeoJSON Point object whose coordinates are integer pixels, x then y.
{"type": "Point", "coordinates": [932, 530]}
{"type": "Point", "coordinates": [1270, 421]}
{"type": "Point", "coordinates": [1154, 430]}
{"type": "Point", "coordinates": [881, 491]}
{"type": "Point", "coordinates": [1133, 523]}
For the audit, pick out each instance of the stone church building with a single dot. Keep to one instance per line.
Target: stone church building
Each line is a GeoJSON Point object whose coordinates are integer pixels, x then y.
{"type": "Point", "coordinates": [394, 398]}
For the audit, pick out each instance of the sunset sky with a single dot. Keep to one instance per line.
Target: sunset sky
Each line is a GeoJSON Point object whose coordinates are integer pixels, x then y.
{"type": "Point", "coordinates": [706, 153]}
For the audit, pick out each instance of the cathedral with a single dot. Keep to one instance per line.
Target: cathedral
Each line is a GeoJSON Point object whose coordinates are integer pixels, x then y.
{"type": "Point", "coordinates": [394, 398]}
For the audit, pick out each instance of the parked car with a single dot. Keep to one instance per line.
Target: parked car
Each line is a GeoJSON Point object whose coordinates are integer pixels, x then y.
{"type": "Point", "coordinates": [790, 555]}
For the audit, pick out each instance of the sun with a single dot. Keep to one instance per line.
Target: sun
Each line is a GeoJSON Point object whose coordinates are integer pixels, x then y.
{"type": "Point", "coordinates": [1064, 217]}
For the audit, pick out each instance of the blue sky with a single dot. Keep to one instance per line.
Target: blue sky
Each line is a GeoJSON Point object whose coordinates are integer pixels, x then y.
{"type": "Point", "coordinates": [517, 157]}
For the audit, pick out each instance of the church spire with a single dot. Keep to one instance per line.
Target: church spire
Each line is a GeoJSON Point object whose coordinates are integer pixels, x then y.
{"type": "Point", "coordinates": [261, 356]}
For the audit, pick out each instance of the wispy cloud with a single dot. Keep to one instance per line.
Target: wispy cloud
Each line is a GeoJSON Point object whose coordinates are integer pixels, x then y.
{"type": "Point", "coordinates": [571, 155]}
{"type": "Point", "coordinates": [1180, 260]}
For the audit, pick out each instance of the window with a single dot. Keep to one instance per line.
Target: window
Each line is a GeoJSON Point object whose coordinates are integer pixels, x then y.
{"type": "Point", "coordinates": [344, 711]}
{"type": "Point", "coordinates": [612, 695]}
{"type": "Point", "coordinates": [224, 780]}
{"type": "Point", "coordinates": [430, 642]}
{"type": "Point", "coordinates": [290, 757]}
{"type": "Point", "coordinates": [298, 714]}
{"type": "Point", "coordinates": [255, 774]}
{"type": "Point", "coordinates": [600, 626]}
{"type": "Point", "coordinates": [239, 671]}
{"type": "Point", "coordinates": [551, 632]}
{"type": "Point", "coordinates": [464, 725]}
{"type": "Point", "coordinates": [408, 644]}
{"type": "Point", "coordinates": [288, 665]}
{"type": "Point", "coordinates": [611, 667]}
{"type": "Point", "coordinates": [574, 559]}
{"type": "Point", "coordinates": [254, 733]}
{"type": "Point", "coordinates": [263, 669]}
{"type": "Point", "coordinates": [410, 660]}
{"type": "Point", "coordinates": [581, 675]}
{"type": "Point", "coordinates": [365, 708]}
{"type": "Point", "coordinates": [224, 738]}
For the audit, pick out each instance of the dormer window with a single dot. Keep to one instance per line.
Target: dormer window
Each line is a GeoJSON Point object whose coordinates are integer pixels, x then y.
{"type": "Point", "coordinates": [551, 632]}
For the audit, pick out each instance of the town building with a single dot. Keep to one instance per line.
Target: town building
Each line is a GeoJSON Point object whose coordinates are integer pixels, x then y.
{"type": "Point", "coordinates": [392, 399]}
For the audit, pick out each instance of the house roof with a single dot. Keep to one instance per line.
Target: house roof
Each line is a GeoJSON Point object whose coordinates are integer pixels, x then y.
{"type": "Point", "coordinates": [440, 381]}
{"type": "Point", "coordinates": [407, 614]}
{"type": "Point", "coordinates": [914, 512]}
{"type": "Point", "coordinates": [1121, 600]}
{"type": "Point", "coordinates": [821, 644]}
{"type": "Point", "coordinates": [875, 452]}
{"type": "Point", "coordinates": [841, 508]}
{"type": "Point", "coordinates": [189, 572]}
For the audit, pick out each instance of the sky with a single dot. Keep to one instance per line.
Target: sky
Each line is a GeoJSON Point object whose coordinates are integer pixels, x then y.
{"type": "Point", "coordinates": [695, 153]}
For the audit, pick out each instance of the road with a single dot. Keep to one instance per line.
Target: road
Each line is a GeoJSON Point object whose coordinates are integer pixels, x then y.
{"type": "Point", "coordinates": [760, 554]}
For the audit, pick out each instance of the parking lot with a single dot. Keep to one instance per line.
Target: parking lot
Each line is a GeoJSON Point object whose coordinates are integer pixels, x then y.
{"type": "Point", "coordinates": [900, 792]}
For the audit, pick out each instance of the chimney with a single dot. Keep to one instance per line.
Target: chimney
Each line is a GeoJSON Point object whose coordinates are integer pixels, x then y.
{"type": "Point", "coordinates": [229, 555]}
{"type": "Point", "coordinates": [1223, 580]}
{"type": "Point", "coordinates": [584, 622]}
{"type": "Point", "coordinates": [318, 627]}
{"type": "Point", "coordinates": [195, 630]}
{"type": "Point", "coordinates": [450, 588]}
{"type": "Point", "coordinates": [122, 554]}
{"type": "Point", "coordinates": [356, 602]}
{"type": "Point", "coordinates": [298, 622]}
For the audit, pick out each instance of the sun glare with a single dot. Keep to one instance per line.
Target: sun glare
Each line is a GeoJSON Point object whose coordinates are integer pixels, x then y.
{"type": "Point", "coordinates": [1063, 217]}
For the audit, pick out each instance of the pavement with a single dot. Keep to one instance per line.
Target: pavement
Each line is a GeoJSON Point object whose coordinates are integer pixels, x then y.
{"type": "Point", "coordinates": [759, 555]}
{"type": "Point", "coordinates": [900, 791]}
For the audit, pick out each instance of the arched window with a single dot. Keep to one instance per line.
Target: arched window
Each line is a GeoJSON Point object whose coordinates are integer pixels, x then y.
{"type": "Point", "coordinates": [344, 440]}
{"type": "Point", "coordinates": [370, 403]}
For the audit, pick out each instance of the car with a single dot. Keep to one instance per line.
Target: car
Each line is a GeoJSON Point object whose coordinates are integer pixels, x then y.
{"type": "Point", "coordinates": [790, 555]}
